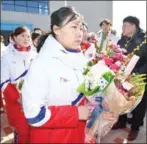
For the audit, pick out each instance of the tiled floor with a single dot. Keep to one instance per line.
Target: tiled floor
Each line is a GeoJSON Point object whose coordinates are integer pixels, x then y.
{"type": "Point", "coordinates": [114, 136]}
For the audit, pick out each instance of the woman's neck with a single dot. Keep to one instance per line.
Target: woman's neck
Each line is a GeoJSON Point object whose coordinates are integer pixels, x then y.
{"type": "Point", "coordinates": [19, 48]}
{"type": "Point", "coordinates": [22, 48]}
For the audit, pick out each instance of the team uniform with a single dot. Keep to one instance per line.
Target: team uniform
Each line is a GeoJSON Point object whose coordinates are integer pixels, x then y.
{"type": "Point", "coordinates": [50, 97]}
{"type": "Point", "coordinates": [14, 67]}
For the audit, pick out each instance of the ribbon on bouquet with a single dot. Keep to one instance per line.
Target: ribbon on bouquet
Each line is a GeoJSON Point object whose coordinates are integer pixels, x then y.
{"type": "Point", "coordinates": [96, 111]}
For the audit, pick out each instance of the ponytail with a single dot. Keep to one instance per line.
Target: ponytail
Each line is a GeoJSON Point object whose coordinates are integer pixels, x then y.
{"type": "Point", "coordinates": [42, 40]}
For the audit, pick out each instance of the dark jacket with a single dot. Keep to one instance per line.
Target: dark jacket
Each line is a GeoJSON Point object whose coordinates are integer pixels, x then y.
{"type": "Point", "coordinates": [137, 39]}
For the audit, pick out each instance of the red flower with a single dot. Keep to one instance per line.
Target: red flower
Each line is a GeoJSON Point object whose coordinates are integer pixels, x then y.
{"type": "Point", "coordinates": [85, 45]}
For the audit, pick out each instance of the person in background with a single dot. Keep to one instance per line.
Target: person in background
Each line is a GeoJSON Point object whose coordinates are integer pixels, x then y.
{"type": "Point", "coordinates": [106, 34]}
{"type": "Point", "coordinates": [88, 42]}
{"type": "Point", "coordinates": [14, 66]}
{"type": "Point", "coordinates": [11, 41]}
{"type": "Point", "coordinates": [35, 39]}
{"type": "Point", "coordinates": [11, 38]}
{"type": "Point", "coordinates": [56, 111]}
{"type": "Point", "coordinates": [38, 30]}
{"type": "Point", "coordinates": [2, 40]}
{"type": "Point", "coordinates": [85, 31]}
{"type": "Point", "coordinates": [132, 37]}
{"type": "Point", "coordinates": [2, 47]}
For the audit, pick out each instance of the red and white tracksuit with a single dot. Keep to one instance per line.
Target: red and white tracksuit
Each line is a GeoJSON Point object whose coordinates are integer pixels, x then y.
{"type": "Point", "coordinates": [14, 66]}
{"type": "Point", "coordinates": [50, 97]}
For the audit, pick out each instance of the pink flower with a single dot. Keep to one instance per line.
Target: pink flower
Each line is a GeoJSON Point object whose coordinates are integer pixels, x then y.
{"type": "Point", "coordinates": [114, 67]}
{"type": "Point", "coordinates": [108, 61]}
{"type": "Point", "coordinates": [117, 56]}
{"type": "Point", "coordinates": [118, 63]}
{"type": "Point", "coordinates": [102, 56]}
{"type": "Point", "coordinates": [124, 50]}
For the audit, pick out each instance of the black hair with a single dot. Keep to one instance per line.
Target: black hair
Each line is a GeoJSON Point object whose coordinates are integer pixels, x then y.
{"type": "Point", "coordinates": [106, 21]}
{"type": "Point", "coordinates": [58, 18]}
{"type": "Point", "coordinates": [11, 35]}
{"type": "Point", "coordinates": [85, 25]}
{"type": "Point", "coordinates": [2, 39]}
{"type": "Point", "coordinates": [41, 41]}
{"type": "Point", "coordinates": [133, 20]}
{"type": "Point", "coordinates": [37, 29]}
{"type": "Point", "coordinates": [35, 35]}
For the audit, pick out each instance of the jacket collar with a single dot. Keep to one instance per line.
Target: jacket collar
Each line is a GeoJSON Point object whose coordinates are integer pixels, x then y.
{"type": "Point", "coordinates": [53, 49]}
{"type": "Point", "coordinates": [21, 54]}
{"type": "Point", "coordinates": [21, 49]}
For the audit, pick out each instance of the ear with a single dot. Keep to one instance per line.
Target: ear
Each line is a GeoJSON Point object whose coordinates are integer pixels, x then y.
{"type": "Point", "coordinates": [14, 38]}
{"type": "Point", "coordinates": [56, 30]}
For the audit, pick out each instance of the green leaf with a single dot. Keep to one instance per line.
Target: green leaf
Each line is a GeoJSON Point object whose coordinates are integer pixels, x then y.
{"type": "Point", "coordinates": [82, 89]}
{"type": "Point", "coordinates": [85, 71]}
{"type": "Point", "coordinates": [20, 84]}
{"type": "Point", "coordinates": [108, 76]}
{"type": "Point", "coordinates": [90, 63]}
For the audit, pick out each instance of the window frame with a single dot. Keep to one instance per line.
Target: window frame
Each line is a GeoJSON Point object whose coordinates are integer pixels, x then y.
{"type": "Point", "coordinates": [27, 6]}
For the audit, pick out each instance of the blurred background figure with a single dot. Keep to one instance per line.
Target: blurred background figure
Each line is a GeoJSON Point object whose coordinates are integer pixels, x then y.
{"type": "Point", "coordinates": [38, 30]}
{"type": "Point", "coordinates": [106, 34]}
{"type": "Point", "coordinates": [14, 66]}
{"type": "Point", "coordinates": [35, 39]}
{"type": "Point", "coordinates": [11, 38]}
{"type": "Point", "coordinates": [2, 47]}
{"type": "Point", "coordinates": [132, 37]}
{"type": "Point", "coordinates": [88, 42]}
{"type": "Point", "coordinates": [85, 31]}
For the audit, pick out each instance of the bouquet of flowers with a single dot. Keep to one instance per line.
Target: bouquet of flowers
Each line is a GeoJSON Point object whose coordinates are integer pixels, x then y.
{"type": "Point", "coordinates": [112, 89]}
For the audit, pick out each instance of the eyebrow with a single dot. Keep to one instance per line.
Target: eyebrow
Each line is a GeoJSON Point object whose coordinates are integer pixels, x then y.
{"type": "Point", "coordinates": [77, 22]}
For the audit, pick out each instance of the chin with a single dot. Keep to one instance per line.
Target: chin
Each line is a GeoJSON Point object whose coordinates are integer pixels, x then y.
{"type": "Point", "coordinates": [124, 34]}
{"type": "Point", "coordinates": [76, 47]}
{"type": "Point", "coordinates": [26, 45]}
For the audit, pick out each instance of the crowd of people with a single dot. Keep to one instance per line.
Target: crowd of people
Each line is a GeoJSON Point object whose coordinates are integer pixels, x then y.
{"type": "Point", "coordinates": [40, 72]}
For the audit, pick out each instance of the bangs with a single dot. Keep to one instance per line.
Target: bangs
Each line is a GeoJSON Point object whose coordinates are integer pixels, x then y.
{"type": "Point", "coordinates": [73, 17]}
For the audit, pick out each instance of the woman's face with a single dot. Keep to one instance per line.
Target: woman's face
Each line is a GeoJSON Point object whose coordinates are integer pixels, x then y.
{"type": "Point", "coordinates": [36, 41]}
{"type": "Point", "coordinates": [70, 35]}
{"type": "Point", "coordinates": [24, 39]}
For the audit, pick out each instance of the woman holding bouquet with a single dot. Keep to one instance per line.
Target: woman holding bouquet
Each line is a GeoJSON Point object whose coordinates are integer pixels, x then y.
{"type": "Point", "coordinates": [14, 65]}
{"type": "Point", "coordinates": [52, 106]}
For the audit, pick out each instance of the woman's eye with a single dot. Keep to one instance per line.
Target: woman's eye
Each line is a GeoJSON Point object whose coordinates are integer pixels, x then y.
{"type": "Point", "coordinates": [74, 27]}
